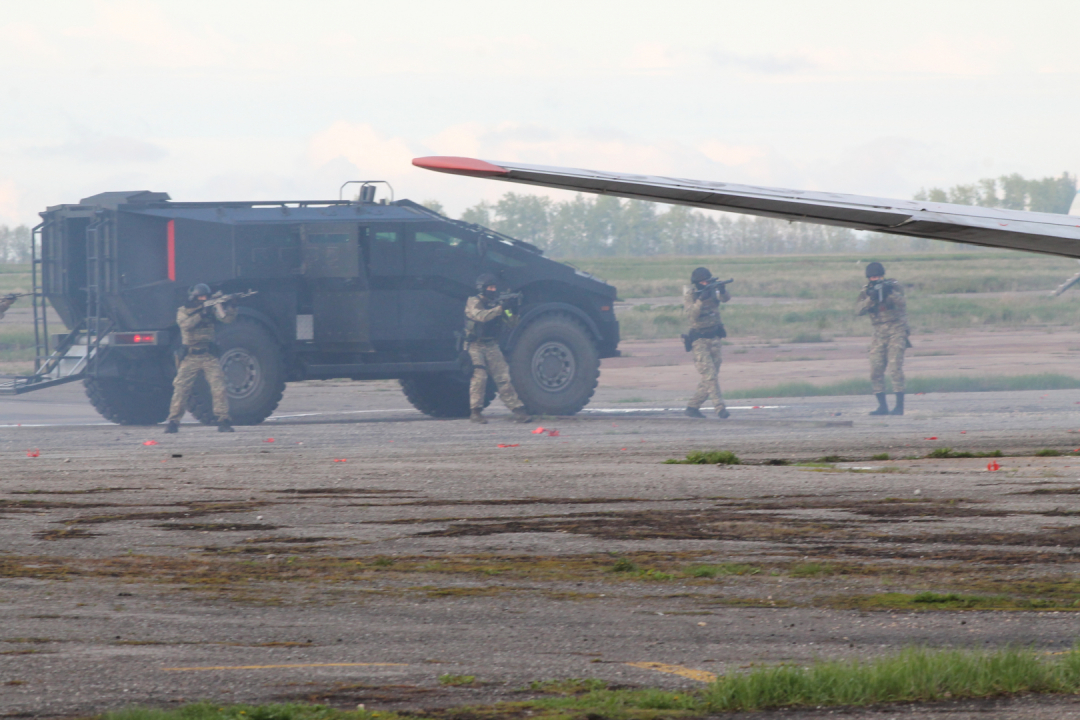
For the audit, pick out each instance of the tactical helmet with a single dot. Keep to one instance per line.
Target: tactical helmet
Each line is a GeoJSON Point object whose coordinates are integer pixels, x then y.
{"type": "Point", "coordinates": [875, 269]}
{"type": "Point", "coordinates": [700, 274]}
{"type": "Point", "coordinates": [198, 290]}
{"type": "Point", "coordinates": [486, 279]}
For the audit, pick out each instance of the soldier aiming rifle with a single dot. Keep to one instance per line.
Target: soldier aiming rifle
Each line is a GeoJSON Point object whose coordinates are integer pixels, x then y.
{"type": "Point", "coordinates": [883, 300]}
{"type": "Point", "coordinates": [8, 300]}
{"type": "Point", "coordinates": [701, 303]}
{"type": "Point", "coordinates": [197, 319]}
{"type": "Point", "coordinates": [486, 314]}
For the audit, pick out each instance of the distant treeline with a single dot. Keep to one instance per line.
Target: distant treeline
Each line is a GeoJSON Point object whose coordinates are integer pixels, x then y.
{"type": "Point", "coordinates": [601, 226]}
{"type": "Point", "coordinates": [14, 244]}
{"type": "Point", "coordinates": [1012, 192]}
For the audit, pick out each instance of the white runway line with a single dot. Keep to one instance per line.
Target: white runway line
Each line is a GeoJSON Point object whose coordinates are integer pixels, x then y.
{"type": "Point", "coordinates": [290, 416]}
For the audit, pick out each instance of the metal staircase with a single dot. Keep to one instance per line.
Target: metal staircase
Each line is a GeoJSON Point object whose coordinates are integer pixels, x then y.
{"type": "Point", "coordinates": [73, 356]}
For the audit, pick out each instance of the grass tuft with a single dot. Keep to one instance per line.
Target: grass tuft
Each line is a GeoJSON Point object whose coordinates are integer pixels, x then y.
{"type": "Point", "coordinates": [880, 456]}
{"type": "Point", "coordinates": [723, 569]}
{"type": "Point", "coordinates": [457, 680]}
{"type": "Point", "coordinates": [568, 686]}
{"type": "Point", "coordinates": [914, 675]}
{"type": "Point", "coordinates": [947, 452]}
{"type": "Point", "coordinates": [703, 457]}
{"type": "Point", "coordinates": [1047, 452]}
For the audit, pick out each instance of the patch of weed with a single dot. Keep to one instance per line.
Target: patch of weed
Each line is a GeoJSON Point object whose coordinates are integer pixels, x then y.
{"type": "Point", "coordinates": [811, 570]}
{"type": "Point", "coordinates": [947, 452]}
{"type": "Point", "coordinates": [569, 686]}
{"type": "Point", "coordinates": [721, 570]}
{"type": "Point", "coordinates": [880, 456]}
{"type": "Point", "coordinates": [703, 457]}
{"type": "Point", "coordinates": [1047, 452]}
{"type": "Point", "coordinates": [457, 680]}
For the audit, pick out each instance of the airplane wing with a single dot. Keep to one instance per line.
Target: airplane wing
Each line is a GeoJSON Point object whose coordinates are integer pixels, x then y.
{"type": "Point", "coordinates": [992, 227]}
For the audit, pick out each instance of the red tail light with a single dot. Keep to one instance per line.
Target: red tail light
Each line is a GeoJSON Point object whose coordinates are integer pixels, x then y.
{"type": "Point", "coordinates": [134, 338]}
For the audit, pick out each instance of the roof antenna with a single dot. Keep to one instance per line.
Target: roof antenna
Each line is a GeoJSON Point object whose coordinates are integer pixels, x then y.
{"type": "Point", "coordinates": [367, 190]}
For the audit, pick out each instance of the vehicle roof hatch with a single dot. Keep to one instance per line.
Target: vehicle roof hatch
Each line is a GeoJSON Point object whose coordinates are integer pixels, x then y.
{"type": "Point", "coordinates": [112, 200]}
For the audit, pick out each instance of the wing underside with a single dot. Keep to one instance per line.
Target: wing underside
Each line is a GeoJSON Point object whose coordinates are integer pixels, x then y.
{"type": "Point", "coordinates": [991, 227]}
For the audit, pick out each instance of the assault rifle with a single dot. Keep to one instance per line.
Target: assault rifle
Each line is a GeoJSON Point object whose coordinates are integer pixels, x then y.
{"type": "Point", "coordinates": [510, 299]}
{"type": "Point", "coordinates": [222, 299]}
{"type": "Point", "coordinates": [712, 287]}
{"type": "Point", "coordinates": [8, 300]}
{"type": "Point", "coordinates": [878, 291]}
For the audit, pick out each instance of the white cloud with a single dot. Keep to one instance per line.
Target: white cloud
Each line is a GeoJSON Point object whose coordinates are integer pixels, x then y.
{"type": "Point", "coordinates": [373, 154]}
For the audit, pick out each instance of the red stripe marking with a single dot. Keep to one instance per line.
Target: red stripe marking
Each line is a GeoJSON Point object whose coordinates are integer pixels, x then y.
{"type": "Point", "coordinates": [172, 249]}
{"type": "Point", "coordinates": [460, 166]}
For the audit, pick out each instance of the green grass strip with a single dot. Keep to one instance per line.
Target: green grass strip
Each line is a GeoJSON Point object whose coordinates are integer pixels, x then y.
{"type": "Point", "coordinates": [916, 674]}
{"type": "Point", "coordinates": [912, 675]}
{"type": "Point", "coordinates": [949, 383]}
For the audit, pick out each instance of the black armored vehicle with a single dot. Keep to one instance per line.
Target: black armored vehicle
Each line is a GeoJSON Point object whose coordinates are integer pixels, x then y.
{"type": "Point", "coordinates": [345, 289]}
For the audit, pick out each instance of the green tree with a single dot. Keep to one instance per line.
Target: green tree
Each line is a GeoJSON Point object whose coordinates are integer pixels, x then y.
{"type": "Point", "coordinates": [14, 244]}
{"type": "Point", "coordinates": [480, 214]}
{"type": "Point", "coordinates": [434, 206]}
{"type": "Point", "coordinates": [1012, 192]}
{"type": "Point", "coordinates": [526, 217]}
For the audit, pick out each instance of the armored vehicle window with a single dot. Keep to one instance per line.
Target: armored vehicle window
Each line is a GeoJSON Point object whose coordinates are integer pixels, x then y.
{"type": "Point", "coordinates": [328, 238]}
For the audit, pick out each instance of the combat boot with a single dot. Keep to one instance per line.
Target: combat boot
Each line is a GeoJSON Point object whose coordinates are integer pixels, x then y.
{"type": "Point", "coordinates": [723, 414]}
{"type": "Point", "coordinates": [477, 416]}
{"type": "Point", "coordinates": [519, 414]}
{"type": "Point", "coordinates": [225, 426]}
{"type": "Point", "coordinates": [882, 406]}
{"type": "Point", "coordinates": [899, 409]}
{"type": "Point", "coordinates": [694, 413]}
{"type": "Point", "coordinates": [172, 427]}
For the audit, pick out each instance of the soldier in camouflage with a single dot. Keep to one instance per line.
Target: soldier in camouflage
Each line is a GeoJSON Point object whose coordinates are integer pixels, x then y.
{"type": "Point", "coordinates": [6, 302]}
{"type": "Point", "coordinates": [883, 300]}
{"type": "Point", "coordinates": [484, 321]}
{"type": "Point", "coordinates": [199, 354]}
{"type": "Point", "coordinates": [702, 308]}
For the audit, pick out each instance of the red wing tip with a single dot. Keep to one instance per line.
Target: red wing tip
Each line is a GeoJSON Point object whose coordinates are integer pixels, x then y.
{"type": "Point", "coordinates": [459, 166]}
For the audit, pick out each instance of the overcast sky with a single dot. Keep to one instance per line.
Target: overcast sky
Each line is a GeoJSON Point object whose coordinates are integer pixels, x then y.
{"type": "Point", "coordinates": [239, 99]}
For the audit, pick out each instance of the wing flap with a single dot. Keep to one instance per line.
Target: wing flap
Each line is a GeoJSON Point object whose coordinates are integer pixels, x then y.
{"type": "Point", "coordinates": [990, 227]}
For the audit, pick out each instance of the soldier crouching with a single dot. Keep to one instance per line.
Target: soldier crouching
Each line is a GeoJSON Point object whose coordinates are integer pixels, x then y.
{"type": "Point", "coordinates": [484, 320]}
{"type": "Point", "coordinates": [883, 300]}
{"type": "Point", "coordinates": [701, 303]}
{"type": "Point", "coordinates": [199, 354]}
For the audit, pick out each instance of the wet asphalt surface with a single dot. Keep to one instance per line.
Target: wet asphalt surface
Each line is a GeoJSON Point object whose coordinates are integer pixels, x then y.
{"type": "Point", "coordinates": [368, 550]}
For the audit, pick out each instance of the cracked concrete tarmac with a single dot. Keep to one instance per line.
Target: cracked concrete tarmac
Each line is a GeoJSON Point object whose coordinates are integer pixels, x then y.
{"type": "Point", "coordinates": [368, 550]}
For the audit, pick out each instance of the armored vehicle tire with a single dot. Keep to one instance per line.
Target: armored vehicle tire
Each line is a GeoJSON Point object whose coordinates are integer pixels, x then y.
{"type": "Point", "coordinates": [555, 365]}
{"type": "Point", "coordinates": [442, 395]}
{"type": "Point", "coordinates": [129, 403]}
{"type": "Point", "coordinates": [254, 375]}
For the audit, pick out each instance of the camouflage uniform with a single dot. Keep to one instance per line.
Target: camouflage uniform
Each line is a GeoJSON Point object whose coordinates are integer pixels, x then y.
{"type": "Point", "coordinates": [197, 333]}
{"type": "Point", "coordinates": [704, 315]}
{"type": "Point", "coordinates": [485, 354]}
{"type": "Point", "coordinates": [890, 335]}
{"type": "Point", "coordinates": [5, 303]}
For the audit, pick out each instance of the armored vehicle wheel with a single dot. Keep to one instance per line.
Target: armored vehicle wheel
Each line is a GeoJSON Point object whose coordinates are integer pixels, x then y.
{"type": "Point", "coordinates": [442, 395]}
{"type": "Point", "coordinates": [254, 375]}
{"type": "Point", "coordinates": [129, 403]}
{"type": "Point", "coordinates": [555, 365]}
